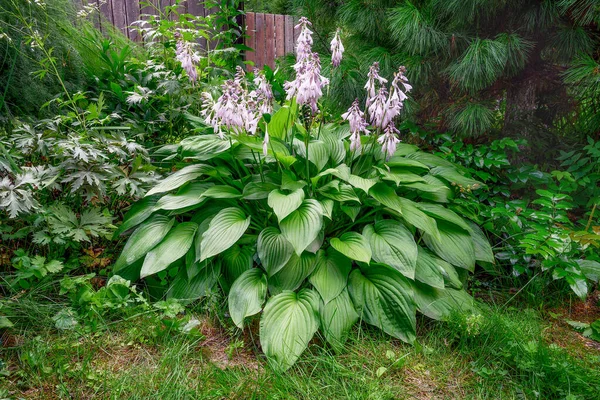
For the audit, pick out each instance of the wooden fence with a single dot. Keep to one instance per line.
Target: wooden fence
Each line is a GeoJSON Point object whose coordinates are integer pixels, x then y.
{"type": "Point", "coordinates": [270, 35]}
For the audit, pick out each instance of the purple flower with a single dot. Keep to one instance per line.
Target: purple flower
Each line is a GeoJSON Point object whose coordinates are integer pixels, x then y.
{"type": "Point", "coordinates": [389, 141]}
{"type": "Point", "coordinates": [263, 92]}
{"type": "Point", "coordinates": [337, 49]}
{"type": "Point", "coordinates": [378, 109]}
{"type": "Point", "coordinates": [266, 141]}
{"type": "Point", "coordinates": [356, 118]}
{"type": "Point", "coordinates": [370, 86]}
{"type": "Point", "coordinates": [185, 54]}
{"type": "Point", "coordinates": [309, 83]}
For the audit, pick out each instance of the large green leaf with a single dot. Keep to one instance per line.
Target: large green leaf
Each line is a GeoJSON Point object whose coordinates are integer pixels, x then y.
{"type": "Point", "coordinates": [440, 212]}
{"type": "Point", "coordinates": [284, 204]}
{"type": "Point", "coordinates": [302, 226]}
{"type": "Point", "coordinates": [273, 249]}
{"type": "Point", "coordinates": [483, 249]}
{"type": "Point", "coordinates": [365, 184]}
{"type": "Point", "coordinates": [174, 246]}
{"type": "Point", "coordinates": [353, 245]}
{"type": "Point", "coordinates": [204, 147]}
{"type": "Point", "coordinates": [143, 239]}
{"type": "Point", "coordinates": [258, 190]}
{"type": "Point", "coordinates": [394, 245]}
{"type": "Point", "coordinates": [386, 196]}
{"type": "Point", "coordinates": [247, 295]}
{"type": "Point", "coordinates": [399, 177]}
{"type": "Point", "coordinates": [418, 218]}
{"type": "Point", "coordinates": [430, 262]}
{"type": "Point", "coordinates": [236, 260]}
{"type": "Point", "coordinates": [454, 177]}
{"type": "Point", "coordinates": [224, 230]}
{"type": "Point", "coordinates": [200, 285]}
{"type": "Point", "coordinates": [330, 276]}
{"type": "Point", "coordinates": [293, 273]}
{"type": "Point", "coordinates": [339, 191]}
{"type": "Point", "coordinates": [138, 213]}
{"type": "Point", "coordinates": [402, 163]}
{"type": "Point", "coordinates": [441, 303]}
{"type": "Point", "coordinates": [179, 178]}
{"type": "Point", "coordinates": [282, 121]}
{"type": "Point", "coordinates": [188, 196]}
{"type": "Point", "coordinates": [454, 245]}
{"type": "Point", "coordinates": [384, 298]}
{"type": "Point", "coordinates": [590, 269]}
{"type": "Point", "coordinates": [318, 152]}
{"type": "Point", "coordinates": [337, 318]}
{"type": "Point", "coordinates": [288, 323]}
{"type": "Point", "coordinates": [222, 192]}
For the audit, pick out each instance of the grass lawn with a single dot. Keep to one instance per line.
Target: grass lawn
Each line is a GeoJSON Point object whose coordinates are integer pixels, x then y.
{"type": "Point", "coordinates": [507, 352]}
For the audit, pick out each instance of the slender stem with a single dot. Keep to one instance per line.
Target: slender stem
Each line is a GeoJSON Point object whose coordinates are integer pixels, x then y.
{"type": "Point", "coordinates": [589, 223]}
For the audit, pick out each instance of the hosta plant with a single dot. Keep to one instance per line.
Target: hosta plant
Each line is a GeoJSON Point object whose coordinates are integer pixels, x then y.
{"type": "Point", "coordinates": [312, 224]}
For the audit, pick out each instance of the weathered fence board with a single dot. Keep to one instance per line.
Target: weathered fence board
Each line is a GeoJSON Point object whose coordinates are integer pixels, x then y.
{"type": "Point", "coordinates": [269, 35]}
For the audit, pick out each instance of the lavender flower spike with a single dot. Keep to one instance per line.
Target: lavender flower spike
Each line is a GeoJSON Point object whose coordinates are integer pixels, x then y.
{"type": "Point", "coordinates": [373, 76]}
{"type": "Point", "coordinates": [337, 49]}
{"type": "Point", "coordinates": [356, 118]}
{"type": "Point", "coordinates": [185, 54]}
{"type": "Point", "coordinates": [389, 141]}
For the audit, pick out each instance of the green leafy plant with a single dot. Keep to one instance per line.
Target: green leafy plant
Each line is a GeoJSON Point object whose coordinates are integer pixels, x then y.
{"type": "Point", "coordinates": [306, 225]}
{"type": "Point", "coordinates": [31, 269]}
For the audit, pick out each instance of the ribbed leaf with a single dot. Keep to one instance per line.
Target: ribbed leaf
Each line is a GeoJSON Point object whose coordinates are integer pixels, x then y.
{"type": "Point", "coordinates": [293, 273]}
{"type": "Point", "coordinates": [138, 213]}
{"type": "Point", "coordinates": [204, 147]}
{"type": "Point", "coordinates": [224, 230]}
{"type": "Point", "coordinates": [394, 245]}
{"type": "Point", "coordinates": [190, 195]}
{"type": "Point", "coordinates": [222, 192]}
{"type": "Point", "coordinates": [362, 183]}
{"type": "Point", "coordinates": [174, 246]}
{"type": "Point", "coordinates": [453, 176]}
{"type": "Point", "coordinates": [441, 303]}
{"type": "Point", "coordinates": [330, 275]}
{"type": "Point", "coordinates": [385, 299]}
{"type": "Point", "coordinates": [247, 295]}
{"type": "Point", "coordinates": [302, 226]}
{"type": "Point", "coordinates": [284, 204]}
{"type": "Point", "coordinates": [339, 191]}
{"type": "Point", "coordinates": [273, 249]}
{"type": "Point", "coordinates": [483, 249]}
{"type": "Point", "coordinates": [440, 212]}
{"type": "Point", "coordinates": [236, 260]}
{"type": "Point", "coordinates": [143, 239]}
{"type": "Point", "coordinates": [288, 323]}
{"type": "Point", "coordinates": [353, 245]}
{"type": "Point", "coordinates": [430, 261]}
{"type": "Point", "coordinates": [337, 318]}
{"type": "Point", "coordinates": [179, 178]}
{"type": "Point", "coordinates": [418, 218]}
{"type": "Point", "coordinates": [258, 190]}
{"type": "Point", "coordinates": [386, 196]}
{"type": "Point", "coordinates": [428, 270]}
{"type": "Point", "coordinates": [200, 285]}
{"type": "Point", "coordinates": [454, 245]}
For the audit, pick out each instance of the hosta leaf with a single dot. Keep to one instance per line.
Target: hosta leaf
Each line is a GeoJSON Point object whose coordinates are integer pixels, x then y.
{"type": "Point", "coordinates": [327, 205]}
{"type": "Point", "coordinates": [430, 160]}
{"type": "Point", "coordinates": [399, 177]}
{"type": "Point", "coordinates": [330, 275]}
{"type": "Point", "coordinates": [386, 196]}
{"type": "Point", "coordinates": [441, 303]}
{"type": "Point", "coordinates": [284, 204]}
{"type": "Point", "coordinates": [339, 191]}
{"type": "Point", "coordinates": [337, 318]}
{"type": "Point", "coordinates": [274, 250]}
{"type": "Point", "coordinates": [396, 163]}
{"type": "Point", "coordinates": [258, 190]}
{"type": "Point", "coordinates": [365, 184]}
{"type": "Point", "coordinates": [190, 195]}
{"type": "Point", "coordinates": [440, 212]}
{"type": "Point", "coordinates": [353, 245]}
{"type": "Point", "coordinates": [236, 260]}
{"type": "Point", "coordinates": [453, 176]}
{"type": "Point", "coordinates": [174, 246]}
{"type": "Point", "coordinates": [247, 295]}
{"type": "Point", "coordinates": [394, 245]}
{"type": "Point", "coordinates": [318, 152]}
{"type": "Point", "coordinates": [204, 147]}
{"type": "Point", "coordinates": [224, 230]}
{"type": "Point", "coordinates": [282, 121]}
{"type": "Point", "coordinates": [143, 239]}
{"type": "Point", "coordinates": [384, 298]}
{"type": "Point", "coordinates": [302, 226]}
{"type": "Point", "coordinates": [350, 211]}
{"type": "Point", "coordinates": [418, 218]}
{"type": "Point", "coordinates": [483, 249]}
{"type": "Point", "coordinates": [293, 273]}
{"type": "Point", "coordinates": [590, 269]}
{"type": "Point", "coordinates": [433, 189]}
{"type": "Point", "coordinates": [200, 285]}
{"type": "Point", "coordinates": [288, 323]}
{"type": "Point", "coordinates": [138, 213]}
{"type": "Point", "coordinates": [454, 245]}
{"type": "Point", "coordinates": [222, 192]}
{"type": "Point", "coordinates": [429, 270]}
{"type": "Point", "coordinates": [179, 178]}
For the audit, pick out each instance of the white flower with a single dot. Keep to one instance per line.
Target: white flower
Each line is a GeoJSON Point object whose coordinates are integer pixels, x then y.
{"type": "Point", "coordinates": [337, 49]}
{"type": "Point", "coordinates": [356, 118]}
{"type": "Point", "coordinates": [378, 109]}
{"type": "Point", "coordinates": [188, 58]}
{"type": "Point", "coordinates": [389, 141]}
{"type": "Point", "coordinates": [355, 141]}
